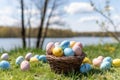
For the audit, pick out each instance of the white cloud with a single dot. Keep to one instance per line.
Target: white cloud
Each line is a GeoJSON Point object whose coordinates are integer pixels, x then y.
{"type": "Point", "coordinates": [6, 20]}
{"type": "Point", "coordinates": [76, 7]}
{"type": "Point", "coordinates": [6, 11]}
{"type": "Point", "coordinates": [88, 18]}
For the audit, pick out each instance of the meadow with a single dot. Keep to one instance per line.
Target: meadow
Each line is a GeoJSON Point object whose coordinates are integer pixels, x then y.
{"type": "Point", "coordinates": [42, 71]}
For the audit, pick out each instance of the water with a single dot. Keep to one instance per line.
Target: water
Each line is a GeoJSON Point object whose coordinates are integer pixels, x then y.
{"type": "Point", "coordinates": [11, 43]}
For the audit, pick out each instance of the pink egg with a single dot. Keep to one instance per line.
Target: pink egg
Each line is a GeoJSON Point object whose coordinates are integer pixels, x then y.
{"type": "Point", "coordinates": [96, 62]}
{"type": "Point", "coordinates": [49, 48]}
{"type": "Point", "coordinates": [77, 50]}
{"type": "Point", "coordinates": [79, 44]}
{"type": "Point", "coordinates": [100, 57]}
{"type": "Point", "coordinates": [28, 56]}
{"type": "Point", "coordinates": [25, 65]}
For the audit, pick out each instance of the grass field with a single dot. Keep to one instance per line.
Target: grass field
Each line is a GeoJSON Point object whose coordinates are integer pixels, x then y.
{"type": "Point", "coordinates": [42, 71]}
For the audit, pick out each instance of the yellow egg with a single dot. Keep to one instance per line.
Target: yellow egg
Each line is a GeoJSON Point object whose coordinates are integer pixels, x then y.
{"type": "Point", "coordinates": [33, 59]}
{"type": "Point", "coordinates": [72, 43]}
{"type": "Point", "coordinates": [57, 51]}
{"type": "Point", "coordinates": [87, 60]}
{"type": "Point", "coordinates": [116, 62]}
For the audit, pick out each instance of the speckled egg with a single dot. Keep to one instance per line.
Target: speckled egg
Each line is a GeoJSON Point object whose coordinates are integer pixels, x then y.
{"type": "Point", "coordinates": [85, 68]}
{"type": "Point", "coordinates": [116, 62]}
{"type": "Point", "coordinates": [97, 62]}
{"type": "Point", "coordinates": [65, 44]}
{"type": "Point", "coordinates": [49, 48]}
{"type": "Point", "coordinates": [72, 43]}
{"type": "Point", "coordinates": [109, 59]}
{"type": "Point", "coordinates": [57, 51]}
{"type": "Point", "coordinates": [4, 65]}
{"type": "Point", "coordinates": [77, 50]}
{"type": "Point", "coordinates": [79, 44]}
{"type": "Point", "coordinates": [42, 58]}
{"type": "Point", "coordinates": [86, 60]}
{"type": "Point", "coordinates": [4, 56]}
{"type": "Point", "coordinates": [105, 65]}
{"type": "Point", "coordinates": [68, 52]}
{"type": "Point", "coordinates": [28, 56]}
{"type": "Point", "coordinates": [25, 65]}
{"type": "Point", "coordinates": [19, 60]}
{"type": "Point", "coordinates": [34, 59]}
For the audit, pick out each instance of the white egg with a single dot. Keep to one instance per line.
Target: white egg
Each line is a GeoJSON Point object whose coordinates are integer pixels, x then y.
{"type": "Point", "coordinates": [4, 56]}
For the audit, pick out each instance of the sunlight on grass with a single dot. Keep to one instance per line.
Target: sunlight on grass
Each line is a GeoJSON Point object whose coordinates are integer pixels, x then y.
{"type": "Point", "coordinates": [42, 71]}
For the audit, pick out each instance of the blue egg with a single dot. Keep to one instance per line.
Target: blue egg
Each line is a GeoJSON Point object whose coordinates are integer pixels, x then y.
{"type": "Point", "coordinates": [36, 56]}
{"type": "Point", "coordinates": [65, 44]}
{"type": "Point", "coordinates": [68, 52]}
{"type": "Point", "coordinates": [105, 65]}
{"type": "Point", "coordinates": [85, 68]}
{"type": "Point", "coordinates": [108, 59]}
{"type": "Point", "coordinates": [4, 65]}
{"type": "Point", "coordinates": [19, 60]}
{"type": "Point", "coordinates": [42, 58]}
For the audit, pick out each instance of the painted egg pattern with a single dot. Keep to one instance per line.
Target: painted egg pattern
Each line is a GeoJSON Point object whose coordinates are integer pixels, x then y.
{"type": "Point", "coordinates": [85, 68]}
{"type": "Point", "coordinates": [25, 65]}
{"type": "Point", "coordinates": [49, 48]}
{"type": "Point", "coordinates": [4, 65]}
{"type": "Point", "coordinates": [65, 44]}
{"type": "Point", "coordinates": [68, 52]}
{"type": "Point", "coordinates": [33, 59]}
{"type": "Point", "coordinates": [19, 60]}
{"type": "Point", "coordinates": [105, 65]}
{"type": "Point", "coordinates": [42, 58]}
{"type": "Point", "coordinates": [77, 50]}
{"type": "Point", "coordinates": [116, 62]}
{"type": "Point", "coordinates": [79, 44]}
{"type": "Point", "coordinates": [97, 62]}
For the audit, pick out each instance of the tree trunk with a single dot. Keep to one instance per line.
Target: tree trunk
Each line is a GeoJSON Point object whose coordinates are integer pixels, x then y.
{"type": "Point", "coordinates": [47, 24]}
{"type": "Point", "coordinates": [41, 25]}
{"type": "Point", "coordinates": [22, 22]}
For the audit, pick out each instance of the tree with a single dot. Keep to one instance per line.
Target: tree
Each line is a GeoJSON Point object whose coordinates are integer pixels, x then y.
{"type": "Point", "coordinates": [108, 21]}
{"type": "Point", "coordinates": [42, 23]}
{"type": "Point", "coordinates": [45, 18]}
{"type": "Point", "coordinates": [22, 22]}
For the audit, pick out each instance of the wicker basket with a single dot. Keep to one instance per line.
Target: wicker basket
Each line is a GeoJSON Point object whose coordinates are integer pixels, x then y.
{"type": "Point", "coordinates": [65, 64]}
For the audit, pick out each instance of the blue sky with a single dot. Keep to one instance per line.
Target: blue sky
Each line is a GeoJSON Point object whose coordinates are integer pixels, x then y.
{"type": "Point", "coordinates": [79, 15]}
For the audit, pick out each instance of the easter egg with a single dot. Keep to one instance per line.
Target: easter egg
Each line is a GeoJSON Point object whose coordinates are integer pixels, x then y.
{"type": "Point", "coordinates": [65, 44]}
{"type": "Point", "coordinates": [57, 51]}
{"type": "Point", "coordinates": [86, 60]}
{"type": "Point", "coordinates": [68, 52]}
{"type": "Point", "coordinates": [28, 56]}
{"type": "Point", "coordinates": [105, 65]}
{"type": "Point", "coordinates": [4, 65]}
{"type": "Point", "coordinates": [19, 60]}
{"type": "Point", "coordinates": [72, 43]}
{"type": "Point", "coordinates": [116, 62]}
{"type": "Point", "coordinates": [77, 50]}
{"type": "Point", "coordinates": [25, 65]}
{"type": "Point", "coordinates": [33, 59]}
{"type": "Point", "coordinates": [79, 44]}
{"type": "Point", "coordinates": [100, 57]}
{"type": "Point", "coordinates": [42, 58]}
{"type": "Point", "coordinates": [36, 56]}
{"type": "Point", "coordinates": [4, 56]}
{"type": "Point", "coordinates": [85, 68]}
{"type": "Point", "coordinates": [97, 62]}
{"type": "Point", "coordinates": [109, 59]}
{"type": "Point", "coordinates": [57, 44]}
{"type": "Point", "coordinates": [49, 48]}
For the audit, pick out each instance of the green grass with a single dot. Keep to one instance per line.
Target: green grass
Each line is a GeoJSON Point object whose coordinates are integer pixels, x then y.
{"type": "Point", "coordinates": [42, 71]}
